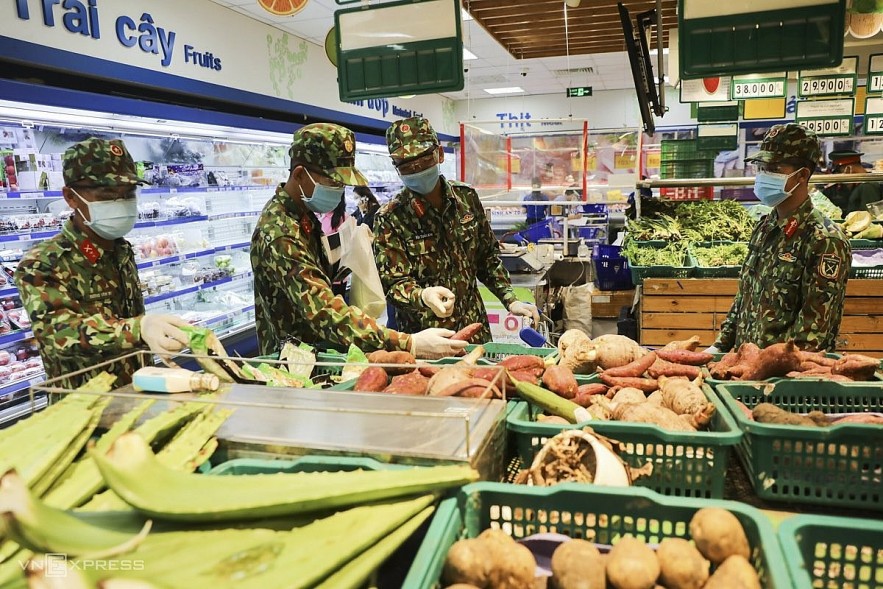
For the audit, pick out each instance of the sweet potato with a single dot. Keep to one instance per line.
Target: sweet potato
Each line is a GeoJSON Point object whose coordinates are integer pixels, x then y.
{"type": "Point", "coordinates": [560, 380]}
{"type": "Point", "coordinates": [685, 357]}
{"type": "Point", "coordinates": [631, 564]}
{"type": "Point", "coordinates": [635, 368]}
{"type": "Point", "coordinates": [372, 380]}
{"type": "Point", "coordinates": [687, 344]}
{"type": "Point", "coordinates": [817, 357]}
{"type": "Point", "coordinates": [468, 332]}
{"type": "Point", "coordinates": [523, 376]}
{"type": "Point", "coordinates": [733, 364]}
{"type": "Point", "coordinates": [869, 419]}
{"type": "Point", "coordinates": [384, 357]}
{"type": "Point", "coordinates": [776, 360]}
{"type": "Point", "coordinates": [648, 385]}
{"type": "Point", "coordinates": [718, 534]}
{"type": "Point", "coordinates": [412, 383]}
{"type": "Point", "coordinates": [719, 370]}
{"type": "Point", "coordinates": [473, 387]}
{"type": "Point", "coordinates": [653, 414]}
{"type": "Point", "coordinates": [629, 395]}
{"type": "Point", "coordinates": [769, 413]}
{"type": "Point", "coordinates": [662, 368]}
{"type": "Point", "coordinates": [594, 388]}
{"type": "Point", "coordinates": [681, 565]}
{"type": "Point", "coordinates": [856, 366]}
{"type": "Point", "coordinates": [428, 370]}
{"type": "Point", "coordinates": [744, 409]}
{"type": "Point", "coordinates": [735, 571]}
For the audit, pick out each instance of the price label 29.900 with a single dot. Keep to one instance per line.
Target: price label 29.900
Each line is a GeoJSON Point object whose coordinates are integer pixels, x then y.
{"type": "Point", "coordinates": [826, 86]}
{"type": "Point", "coordinates": [841, 80]}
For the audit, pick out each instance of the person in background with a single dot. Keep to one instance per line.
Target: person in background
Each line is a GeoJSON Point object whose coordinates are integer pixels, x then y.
{"type": "Point", "coordinates": [793, 282]}
{"type": "Point", "coordinates": [292, 273]}
{"type": "Point", "coordinates": [535, 213]}
{"type": "Point", "coordinates": [851, 197]}
{"type": "Point", "coordinates": [367, 206]}
{"type": "Point", "coordinates": [433, 242]}
{"type": "Point", "coordinates": [571, 194]}
{"type": "Point", "coordinates": [80, 287]}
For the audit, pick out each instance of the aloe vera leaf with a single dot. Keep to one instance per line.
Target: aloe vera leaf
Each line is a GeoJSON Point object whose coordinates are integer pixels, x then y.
{"type": "Point", "coordinates": [185, 452]}
{"type": "Point", "coordinates": [41, 528]}
{"type": "Point", "coordinates": [357, 571]}
{"type": "Point", "coordinates": [85, 480]}
{"type": "Point", "coordinates": [134, 473]}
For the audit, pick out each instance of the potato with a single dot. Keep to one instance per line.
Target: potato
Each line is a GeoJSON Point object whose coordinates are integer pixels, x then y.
{"type": "Point", "coordinates": [734, 573]}
{"type": "Point", "coordinates": [681, 565]}
{"type": "Point", "coordinates": [513, 566]}
{"type": "Point", "coordinates": [468, 562]}
{"type": "Point", "coordinates": [577, 564]}
{"type": "Point", "coordinates": [718, 534]}
{"type": "Point", "coordinates": [632, 564]}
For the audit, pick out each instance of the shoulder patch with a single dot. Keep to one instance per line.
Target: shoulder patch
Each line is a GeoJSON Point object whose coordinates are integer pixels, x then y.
{"type": "Point", "coordinates": [829, 266]}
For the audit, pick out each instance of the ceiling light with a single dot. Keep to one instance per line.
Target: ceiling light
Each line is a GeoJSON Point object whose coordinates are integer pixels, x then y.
{"type": "Point", "coordinates": [572, 3]}
{"type": "Point", "coordinates": [467, 55]}
{"type": "Point", "coordinates": [510, 90]}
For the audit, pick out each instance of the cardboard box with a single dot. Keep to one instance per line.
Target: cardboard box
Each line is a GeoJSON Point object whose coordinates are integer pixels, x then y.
{"type": "Point", "coordinates": [606, 303]}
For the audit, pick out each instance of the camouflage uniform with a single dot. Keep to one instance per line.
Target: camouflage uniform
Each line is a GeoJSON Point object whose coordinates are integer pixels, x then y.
{"type": "Point", "coordinates": [793, 282]}
{"type": "Point", "coordinates": [417, 246]}
{"type": "Point", "coordinates": [292, 281]}
{"type": "Point", "coordinates": [84, 302]}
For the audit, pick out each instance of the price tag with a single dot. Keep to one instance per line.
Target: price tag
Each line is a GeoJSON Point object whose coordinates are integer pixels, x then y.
{"type": "Point", "coordinates": [624, 161]}
{"type": "Point", "coordinates": [875, 73]}
{"type": "Point", "coordinates": [829, 82]}
{"type": "Point", "coordinates": [874, 115]}
{"type": "Point", "coordinates": [654, 159]}
{"type": "Point", "coordinates": [758, 86]}
{"type": "Point", "coordinates": [827, 117]}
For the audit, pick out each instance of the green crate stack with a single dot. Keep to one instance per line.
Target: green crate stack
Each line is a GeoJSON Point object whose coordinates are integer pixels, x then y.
{"type": "Point", "coordinates": [682, 158]}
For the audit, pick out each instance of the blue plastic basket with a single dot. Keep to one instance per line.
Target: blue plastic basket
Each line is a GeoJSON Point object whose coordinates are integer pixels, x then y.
{"type": "Point", "coordinates": [538, 231]}
{"type": "Point", "coordinates": [589, 232]}
{"type": "Point", "coordinates": [611, 268]}
{"type": "Point", "coordinates": [595, 209]}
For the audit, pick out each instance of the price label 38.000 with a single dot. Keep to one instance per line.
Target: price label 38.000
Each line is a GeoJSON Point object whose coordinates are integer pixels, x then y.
{"type": "Point", "coordinates": [758, 89]}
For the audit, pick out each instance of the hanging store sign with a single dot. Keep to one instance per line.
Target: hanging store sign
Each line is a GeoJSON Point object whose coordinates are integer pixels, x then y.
{"type": "Point", "coordinates": [875, 73]}
{"type": "Point", "coordinates": [719, 137]}
{"type": "Point", "coordinates": [579, 91]}
{"type": "Point", "coordinates": [836, 81]}
{"type": "Point", "coordinates": [758, 86]}
{"type": "Point", "coordinates": [827, 117]}
{"type": "Point", "coordinates": [716, 89]}
{"type": "Point", "coordinates": [874, 115]}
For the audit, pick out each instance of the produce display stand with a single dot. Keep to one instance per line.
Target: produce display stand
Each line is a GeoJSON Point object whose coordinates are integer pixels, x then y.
{"type": "Point", "coordinates": [601, 515]}
{"type": "Point", "coordinates": [269, 422]}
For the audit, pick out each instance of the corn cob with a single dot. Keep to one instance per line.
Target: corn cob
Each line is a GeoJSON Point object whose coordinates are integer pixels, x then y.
{"type": "Point", "coordinates": [188, 497]}
{"type": "Point", "coordinates": [38, 527]}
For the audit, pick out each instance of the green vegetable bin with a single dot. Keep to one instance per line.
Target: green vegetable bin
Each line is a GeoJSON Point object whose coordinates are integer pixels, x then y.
{"type": "Point", "coordinates": [495, 352]}
{"type": "Point", "coordinates": [598, 514]}
{"type": "Point", "coordinates": [712, 271]}
{"type": "Point", "coordinates": [839, 465]}
{"type": "Point", "coordinates": [685, 464]}
{"type": "Point", "coordinates": [639, 273]}
{"type": "Point", "coordinates": [249, 466]}
{"type": "Point", "coordinates": [833, 552]}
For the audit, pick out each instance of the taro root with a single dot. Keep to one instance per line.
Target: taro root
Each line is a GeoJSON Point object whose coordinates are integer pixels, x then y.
{"type": "Point", "coordinates": [682, 565]}
{"type": "Point", "coordinates": [577, 564]}
{"type": "Point", "coordinates": [632, 564]}
{"type": "Point", "coordinates": [469, 562]}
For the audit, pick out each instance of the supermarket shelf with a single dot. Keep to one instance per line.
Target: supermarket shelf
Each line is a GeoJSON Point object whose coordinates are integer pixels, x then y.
{"type": "Point", "coordinates": [233, 215]}
{"type": "Point", "coordinates": [227, 316]}
{"type": "Point", "coordinates": [193, 289]}
{"type": "Point", "coordinates": [20, 385]}
{"type": "Point", "coordinates": [749, 181]}
{"type": "Point", "coordinates": [21, 408]}
{"type": "Point", "coordinates": [25, 194]}
{"type": "Point", "coordinates": [15, 336]}
{"type": "Point", "coordinates": [11, 291]}
{"type": "Point", "coordinates": [29, 236]}
{"type": "Point", "coordinates": [188, 256]}
{"type": "Point", "coordinates": [167, 222]}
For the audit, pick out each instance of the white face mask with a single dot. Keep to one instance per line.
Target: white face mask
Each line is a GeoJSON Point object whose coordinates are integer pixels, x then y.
{"type": "Point", "coordinates": [110, 219]}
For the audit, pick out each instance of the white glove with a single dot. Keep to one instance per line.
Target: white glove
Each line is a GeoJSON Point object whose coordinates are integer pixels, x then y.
{"type": "Point", "coordinates": [712, 350]}
{"type": "Point", "coordinates": [439, 299]}
{"type": "Point", "coordinates": [433, 343]}
{"type": "Point", "coordinates": [526, 310]}
{"type": "Point", "coordinates": [162, 335]}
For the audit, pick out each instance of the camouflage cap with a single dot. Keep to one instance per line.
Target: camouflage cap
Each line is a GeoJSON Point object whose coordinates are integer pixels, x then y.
{"type": "Point", "coordinates": [99, 162]}
{"type": "Point", "coordinates": [329, 148]}
{"type": "Point", "coordinates": [788, 142]}
{"type": "Point", "coordinates": [408, 138]}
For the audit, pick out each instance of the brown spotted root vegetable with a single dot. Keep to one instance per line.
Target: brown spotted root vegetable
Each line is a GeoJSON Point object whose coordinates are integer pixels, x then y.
{"type": "Point", "coordinates": [682, 566]}
{"type": "Point", "coordinates": [512, 564]}
{"type": "Point", "coordinates": [769, 413]}
{"type": "Point", "coordinates": [384, 357]}
{"type": "Point", "coordinates": [632, 564]}
{"type": "Point", "coordinates": [372, 380]}
{"type": "Point", "coordinates": [734, 573]}
{"type": "Point", "coordinates": [576, 352]}
{"type": "Point", "coordinates": [653, 414]}
{"type": "Point", "coordinates": [718, 534]}
{"type": "Point", "coordinates": [577, 564]}
{"type": "Point", "coordinates": [685, 397]}
{"type": "Point", "coordinates": [468, 561]}
{"type": "Point", "coordinates": [616, 350]}
{"type": "Point", "coordinates": [561, 381]}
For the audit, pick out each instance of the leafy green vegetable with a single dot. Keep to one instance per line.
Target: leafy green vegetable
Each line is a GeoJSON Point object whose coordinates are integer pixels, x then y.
{"type": "Point", "coordinates": [300, 358]}
{"type": "Point", "coordinates": [673, 254]}
{"type": "Point", "coordinates": [356, 363]}
{"type": "Point", "coordinates": [730, 254]}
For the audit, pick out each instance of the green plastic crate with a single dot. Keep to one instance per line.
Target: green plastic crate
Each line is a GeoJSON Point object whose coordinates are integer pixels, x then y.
{"type": "Point", "coordinates": [685, 464]}
{"type": "Point", "coordinates": [833, 552]}
{"type": "Point", "coordinates": [840, 465]}
{"type": "Point", "coordinates": [601, 515]}
{"type": "Point", "coordinates": [712, 271]}
{"type": "Point", "coordinates": [495, 352]}
{"type": "Point", "coordinates": [714, 383]}
{"type": "Point", "coordinates": [639, 273]}
{"type": "Point", "coordinates": [248, 466]}
{"type": "Point", "coordinates": [687, 169]}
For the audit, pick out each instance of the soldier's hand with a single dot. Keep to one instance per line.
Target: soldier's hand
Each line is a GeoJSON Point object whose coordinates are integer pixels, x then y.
{"type": "Point", "coordinates": [162, 333]}
{"type": "Point", "coordinates": [434, 343]}
{"type": "Point", "coordinates": [439, 299]}
{"type": "Point", "coordinates": [528, 310]}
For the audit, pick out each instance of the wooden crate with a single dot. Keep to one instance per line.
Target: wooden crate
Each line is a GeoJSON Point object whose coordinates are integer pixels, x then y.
{"type": "Point", "coordinates": [673, 309]}
{"type": "Point", "coordinates": [607, 303]}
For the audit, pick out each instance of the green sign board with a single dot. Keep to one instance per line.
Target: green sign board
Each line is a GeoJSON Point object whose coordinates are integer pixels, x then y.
{"type": "Point", "coordinates": [757, 36]}
{"type": "Point", "coordinates": [716, 112]}
{"type": "Point", "coordinates": [874, 115]}
{"type": "Point", "coordinates": [378, 58]}
{"type": "Point", "coordinates": [717, 137]}
{"type": "Point", "coordinates": [875, 73]}
{"type": "Point", "coordinates": [579, 91]}
{"type": "Point", "coordinates": [758, 86]}
{"type": "Point", "coordinates": [838, 81]}
{"type": "Point", "coordinates": [828, 118]}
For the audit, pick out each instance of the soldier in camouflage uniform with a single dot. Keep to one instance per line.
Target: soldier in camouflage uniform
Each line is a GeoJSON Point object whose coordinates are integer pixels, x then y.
{"type": "Point", "coordinates": [292, 271]}
{"type": "Point", "coordinates": [793, 281]}
{"type": "Point", "coordinates": [80, 287]}
{"type": "Point", "coordinates": [433, 242]}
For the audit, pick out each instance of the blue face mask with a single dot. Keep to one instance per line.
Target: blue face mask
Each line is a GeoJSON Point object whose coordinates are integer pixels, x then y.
{"type": "Point", "coordinates": [422, 182]}
{"type": "Point", "coordinates": [324, 198]}
{"type": "Point", "coordinates": [770, 188]}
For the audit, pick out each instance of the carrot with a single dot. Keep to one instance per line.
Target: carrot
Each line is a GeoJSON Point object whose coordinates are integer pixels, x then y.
{"type": "Point", "coordinates": [468, 332]}
{"type": "Point", "coordinates": [634, 368]}
{"type": "Point", "coordinates": [685, 357]}
{"type": "Point", "coordinates": [663, 368]}
{"type": "Point", "coordinates": [648, 385]}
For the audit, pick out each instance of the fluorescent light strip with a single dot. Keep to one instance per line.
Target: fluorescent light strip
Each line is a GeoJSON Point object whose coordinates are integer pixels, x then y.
{"type": "Point", "coordinates": [510, 90]}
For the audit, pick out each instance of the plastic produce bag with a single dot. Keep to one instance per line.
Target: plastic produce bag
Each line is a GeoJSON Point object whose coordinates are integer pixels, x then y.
{"type": "Point", "coordinates": [357, 254]}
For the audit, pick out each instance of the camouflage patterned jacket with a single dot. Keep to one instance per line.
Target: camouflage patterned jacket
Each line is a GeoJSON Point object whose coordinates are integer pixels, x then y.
{"type": "Point", "coordinates": [81, 312]}
{"type": "Point", "coordinates": [792, 285]}
{"type": "Point", "coordinates": [417, 246]}
{"type": "Point", "coordinates": [292, 289]}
